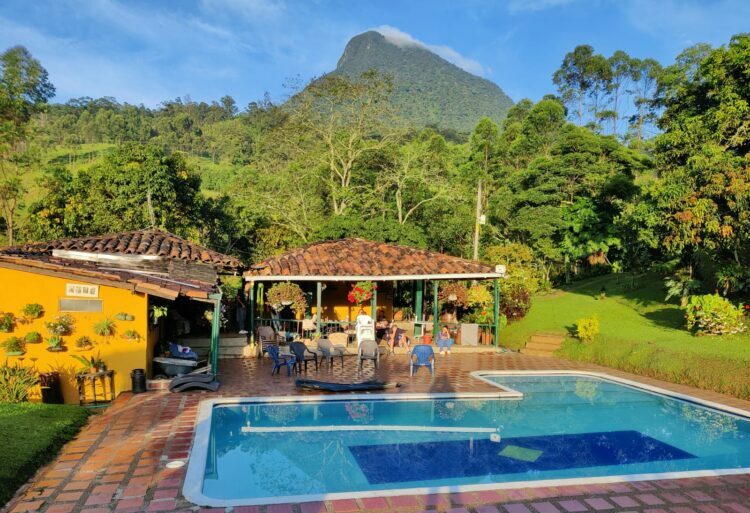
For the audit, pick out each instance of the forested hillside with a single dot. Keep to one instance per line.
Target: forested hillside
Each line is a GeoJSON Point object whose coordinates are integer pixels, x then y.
{"type": "Point", "coordinates": [570, 185]}
{"type": "Point", "coordinates": [427, 90]}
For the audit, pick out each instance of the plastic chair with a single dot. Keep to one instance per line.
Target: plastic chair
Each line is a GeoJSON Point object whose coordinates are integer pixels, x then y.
{"type": "Point", "coordinates": [280, 360]}
{"type": "Point", "coordinates": [421, 355]}
{"type": "Point", "coordinates": [303, 355]}
{"type": "Point", "coordinates": [368, 350]}
{"type": "Point", "coordinates": [266, 338]}
{"type": "Point", "coordinates": [330, 351]}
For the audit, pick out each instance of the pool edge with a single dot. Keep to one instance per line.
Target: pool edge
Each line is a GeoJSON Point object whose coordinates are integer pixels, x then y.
{"type": "Point", "coordinates": [192, 487]}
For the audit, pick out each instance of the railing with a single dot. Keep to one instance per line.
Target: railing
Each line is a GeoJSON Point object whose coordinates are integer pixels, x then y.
{"type": "Point", "coordinates": [295, 328]}
{"type": "Point", "coordinates": [485, 335]}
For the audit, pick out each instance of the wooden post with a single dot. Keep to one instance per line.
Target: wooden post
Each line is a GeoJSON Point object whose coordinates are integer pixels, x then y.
{"type": "Point", "coordinates": [318, 307]}
{"type": "Point", "coordinates": [215, 326]}
{"type": "Point", "coordinates": [435, 310]}
{"type": "Point", "coordinates": [496, 312]}
{"type": "Point", "coordinates": [418, 291]}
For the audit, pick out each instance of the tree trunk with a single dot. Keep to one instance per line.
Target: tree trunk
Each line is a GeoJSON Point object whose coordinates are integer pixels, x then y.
{"type": "Point", "coordinates": [476, 225]}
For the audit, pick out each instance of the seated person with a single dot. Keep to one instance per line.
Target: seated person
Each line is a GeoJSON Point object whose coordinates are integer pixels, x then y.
{"type": "Point", "coordinates": [381, 327]}
{"type": "Point", "coordinates": [396, 337]}
{"type": "Point", "coordinates": [444, 340]}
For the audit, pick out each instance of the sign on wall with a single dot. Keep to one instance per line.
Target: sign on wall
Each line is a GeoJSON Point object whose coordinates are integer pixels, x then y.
{"type": "Point", "coordinates": [79, 290]}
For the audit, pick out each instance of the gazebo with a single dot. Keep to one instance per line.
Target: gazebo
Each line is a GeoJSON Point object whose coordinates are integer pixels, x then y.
{"type": "Point", "coordinates": [331, 265]}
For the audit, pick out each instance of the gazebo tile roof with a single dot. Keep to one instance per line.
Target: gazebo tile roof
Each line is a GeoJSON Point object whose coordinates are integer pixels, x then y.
{"type": "Point", "coordinates": [359, 257]}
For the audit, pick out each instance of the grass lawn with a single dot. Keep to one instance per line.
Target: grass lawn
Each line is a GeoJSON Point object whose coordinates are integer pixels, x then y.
{"type": "Point", "coordinates": [32, 434]}
{"type": "Point", "coordinates": [640, 333]}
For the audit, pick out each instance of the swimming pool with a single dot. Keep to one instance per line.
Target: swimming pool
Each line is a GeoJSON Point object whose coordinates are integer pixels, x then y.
{"type": "Point", "coordinates": [540, 427]}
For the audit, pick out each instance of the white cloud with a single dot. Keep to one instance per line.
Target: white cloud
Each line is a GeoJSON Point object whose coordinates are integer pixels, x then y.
{"type": "Point", "coordinates": [402, 39]}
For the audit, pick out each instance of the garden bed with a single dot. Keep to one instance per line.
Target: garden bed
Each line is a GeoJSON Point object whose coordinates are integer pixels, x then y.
{"type": "Point", "coordinates": [32, 435]}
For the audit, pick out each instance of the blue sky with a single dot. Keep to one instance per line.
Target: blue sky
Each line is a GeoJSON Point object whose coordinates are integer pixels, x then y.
{"type": "Point", "coordinates": [143, 51]}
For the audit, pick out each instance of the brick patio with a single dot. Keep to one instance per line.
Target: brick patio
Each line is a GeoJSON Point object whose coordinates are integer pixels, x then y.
{"type": "Point", "coordinates": [118, 462]}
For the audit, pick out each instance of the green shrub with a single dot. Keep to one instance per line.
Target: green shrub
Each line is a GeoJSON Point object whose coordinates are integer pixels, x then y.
{"type": "Point", "coordinates": [32, 311]}
{"type": "Point", "coordinates": [105, 328]}
{"type": "Point", "coordinates": [124, 316]}
{"type": "Point", "coordinates": [33, 337]}
{"type": "Point", "coordinates": [13, 345]}
{"type": "Point", "coordinates": [15, 382]}
{"type": "Point", "coordinates": [7, 322]}
{"type": "Point", "coordinates": [587, 328]}
{"type": "Point", "coordinates": [711, 314]}
{"type": "Point", "coordinates": [515, 300]}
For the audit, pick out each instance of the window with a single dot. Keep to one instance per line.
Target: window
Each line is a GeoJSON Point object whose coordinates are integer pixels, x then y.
{"type": "Point", "coordinates": [80, 305]}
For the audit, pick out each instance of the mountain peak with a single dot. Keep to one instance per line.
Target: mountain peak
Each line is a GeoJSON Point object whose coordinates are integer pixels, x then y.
{"type": "Point", "coordinates": [428, 89]}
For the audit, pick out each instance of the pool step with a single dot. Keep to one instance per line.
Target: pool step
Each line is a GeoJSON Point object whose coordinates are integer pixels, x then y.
{"type": "Point", "coordinates": [543, 344]}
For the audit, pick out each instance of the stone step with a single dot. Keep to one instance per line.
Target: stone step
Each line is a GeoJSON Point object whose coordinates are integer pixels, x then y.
{"type": "Point", "coordinates": [552, 339]}
{"type": "Point", "coordinates": [536, 352]}
{"type": "Point", "coordinates": [543, 345]}
{"type": "Point", "coordinates": [233, 341]}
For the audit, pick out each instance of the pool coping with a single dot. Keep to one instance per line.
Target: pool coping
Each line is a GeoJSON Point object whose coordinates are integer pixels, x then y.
{"type": "Point", "coordinates": [193, 484]}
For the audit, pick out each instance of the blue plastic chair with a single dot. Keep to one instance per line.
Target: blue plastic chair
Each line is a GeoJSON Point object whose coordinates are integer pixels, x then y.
{"type": "Point", "coordinates": [279, 360]}
{"type": "Point", "coordinates": [421, 355]}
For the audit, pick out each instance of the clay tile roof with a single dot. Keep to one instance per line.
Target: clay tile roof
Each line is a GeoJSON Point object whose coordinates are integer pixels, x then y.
{"type": "Point", "coordinates": [139, 242]}
{"type": "Point", "coordinates": [364, 258]}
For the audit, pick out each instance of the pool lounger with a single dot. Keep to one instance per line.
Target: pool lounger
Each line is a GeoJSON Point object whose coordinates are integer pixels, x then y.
{"type": "Point", "coordinates": [346, 387]}
{"type": "Point", "coordinates": [190, 381]}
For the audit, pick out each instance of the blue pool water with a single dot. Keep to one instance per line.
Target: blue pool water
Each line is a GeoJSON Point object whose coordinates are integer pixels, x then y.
{"type": "Point", "coordinates": [564, 427]}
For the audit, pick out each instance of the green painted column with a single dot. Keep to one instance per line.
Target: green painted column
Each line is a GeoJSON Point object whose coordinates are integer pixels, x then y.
{"type": "Point", "coordinates": [435, 310]}
{"type": "Point", "coordinates": [251, 311]}
{"type": "Point", "coordinates": [496, 311]}
{"type": "Point", "coordinates": [418, 292]}
{"type": "Point", "coordinates": [318, 306]}
{"type": "Point", "coordinates": [215, 326]}
{"type": "Point", "coordinates": [374, 302]}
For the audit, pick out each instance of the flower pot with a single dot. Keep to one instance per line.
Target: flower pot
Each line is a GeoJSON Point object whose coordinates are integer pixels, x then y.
{"type": "Point", "coordinates": [56, 349]}
{"type": "Point", "coordinates": [14, 353]}
{"type": "Point", "coordinates": [427, 338]}
{"type": "Point", "coordinates": [452, 297]}
{"type": "Point", "coordinates": [85, 348]}
{"type": "Point", "coordinates": [286, 303]}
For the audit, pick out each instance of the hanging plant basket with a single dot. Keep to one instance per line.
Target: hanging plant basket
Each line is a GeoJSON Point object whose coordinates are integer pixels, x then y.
{"type": "Point", "coordinates": [454, 292]}
{"type": "Point", "coordinates": [287, 294]}
{"type": "Point", "coordinates": [361, 292]}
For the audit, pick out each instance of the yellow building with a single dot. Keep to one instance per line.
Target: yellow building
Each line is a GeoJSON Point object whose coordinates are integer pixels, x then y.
{"type": "Point", "coordinates": [114, 280]}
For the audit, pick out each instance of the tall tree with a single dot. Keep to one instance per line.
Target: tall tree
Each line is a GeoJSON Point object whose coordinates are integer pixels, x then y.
{"type": "Point", "coordinates": [24, 90]}
{"type": "Point", "coordinates": [335, 124]}
{"type": "Point", "coordinates": [577, 76]}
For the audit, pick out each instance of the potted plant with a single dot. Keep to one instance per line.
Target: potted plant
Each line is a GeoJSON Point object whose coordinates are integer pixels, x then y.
{"type": "Point", "coordinates": [83, 343]}
{"type": "Point", "coordinates": [7, 322]}
{"type": "Point", "coordinates": [32, 337]}
{"type": "Point", "coordinates": [55, 344]}
{"type": "Point", "coordinates": [124, 316]}
{"type": "Point", "coordinates": [14, 346]}
{"type": "Point", "coordinates": [105, 328]}
{"type": "Point", "coordinates": [157, 312]}
{"type": "Point", "coordinates": [61, 325]}
{"type": "Point", "coordinates": [32, 311]}
{"type": "Point", "coordinates": [361, 292]}
{"type": "Point", "coordinates": [131, 335]}
{"type": "Point", "coordinates": [287, 294]}
{"type": "Point", "coordinates": [92, 364]}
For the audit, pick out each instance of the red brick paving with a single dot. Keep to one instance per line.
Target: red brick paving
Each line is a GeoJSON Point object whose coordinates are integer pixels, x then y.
{"type": "Point", "coordinates": [117, 463]}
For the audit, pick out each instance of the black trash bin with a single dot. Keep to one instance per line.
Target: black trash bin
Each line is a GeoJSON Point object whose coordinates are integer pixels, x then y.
{"type": "Point", "coordinates": [138, 381]}
{"type": "Point", "coordinates": [49, 382]}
